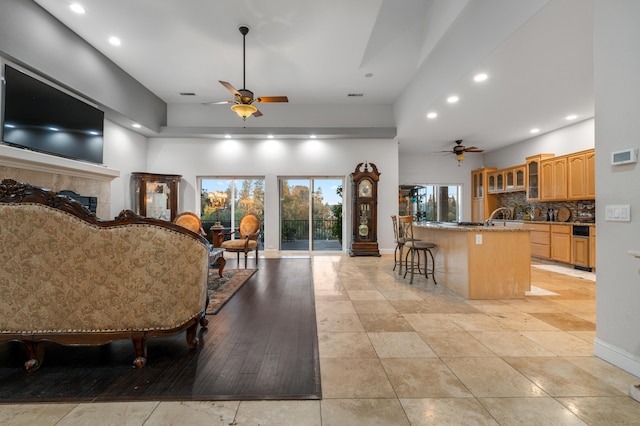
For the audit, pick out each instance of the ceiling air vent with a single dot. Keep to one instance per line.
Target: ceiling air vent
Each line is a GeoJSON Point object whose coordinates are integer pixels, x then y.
{"type": "Point", "coordinates": [355, 95]}
{"type": "Point", "coordinates": [187, 94]}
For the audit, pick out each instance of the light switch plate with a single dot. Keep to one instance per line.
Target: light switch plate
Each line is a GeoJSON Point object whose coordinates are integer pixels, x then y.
{"type": "Point", "coordinates": [617, 213]}
{"type": "Point", "coordinates": [478, 238]}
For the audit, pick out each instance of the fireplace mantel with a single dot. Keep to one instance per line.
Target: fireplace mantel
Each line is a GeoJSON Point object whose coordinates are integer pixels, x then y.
{"type": "Point", "coordinates": [57, 174]}
{"type": "Point", "coordinates": [36, 161]}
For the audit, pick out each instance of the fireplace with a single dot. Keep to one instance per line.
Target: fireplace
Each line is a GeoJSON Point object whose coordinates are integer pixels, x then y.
{"type": "Point", "coordinates": [91, 203]}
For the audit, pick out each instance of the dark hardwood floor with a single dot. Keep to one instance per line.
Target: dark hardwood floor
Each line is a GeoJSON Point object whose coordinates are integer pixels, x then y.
{"type": "Point", "coordinates": [261, 345]}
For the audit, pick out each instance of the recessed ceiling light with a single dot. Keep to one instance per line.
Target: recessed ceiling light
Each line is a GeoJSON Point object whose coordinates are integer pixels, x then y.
{"type": "Point", "coordinates": [453, 99]}
{"type": "Point", "coordinates": [227, 136]}
{"type": "Point", "coordinates": [312, 136]}
{"type": "Point", "coordinates": [534, 130]}
{"type": "Point", "coordinates": [136, 125]}
{"type": "Point", "coordinates": [115, 41]}
{"type": "Point", "coordinates": [432, 115]}
{"type": "Point", "coordinates": [77, 8]}
{"type": "Point", "coordinates": [270, 136]}
{"type": "Point", "coordinates": [480, 77]}
{"type": "Point", "coordinates": [54, 129]}
{"type": "Point", "coordinates": [571, 117]}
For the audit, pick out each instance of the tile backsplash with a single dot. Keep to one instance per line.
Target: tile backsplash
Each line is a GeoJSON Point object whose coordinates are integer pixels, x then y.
{"type": "Point", "coordinates": [582, 210]}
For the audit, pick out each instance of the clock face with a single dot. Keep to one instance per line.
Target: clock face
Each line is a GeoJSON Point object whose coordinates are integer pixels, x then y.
{"type": "Point", "coordinates": [365, 188]}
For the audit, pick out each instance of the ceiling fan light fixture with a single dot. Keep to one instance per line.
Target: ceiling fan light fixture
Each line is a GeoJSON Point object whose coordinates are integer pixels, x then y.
{"type": "Point", "coordinates": [244, 110]}
{"type": "Point", "coordinates": [460, 156]}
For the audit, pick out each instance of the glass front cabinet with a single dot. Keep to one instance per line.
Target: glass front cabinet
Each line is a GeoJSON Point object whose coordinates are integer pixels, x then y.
{"type": "Point", "coordinates": [155, 195]}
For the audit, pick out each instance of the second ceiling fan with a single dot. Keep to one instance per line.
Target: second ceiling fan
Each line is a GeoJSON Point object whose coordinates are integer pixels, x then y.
{"type": "Point", "coordinates": [459, 150]}
{"type": "Point", "coordinates": [243, 102]}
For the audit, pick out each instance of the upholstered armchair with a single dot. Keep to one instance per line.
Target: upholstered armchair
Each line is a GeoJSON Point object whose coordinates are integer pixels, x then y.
{"type": "Point", "coordinates": [248, 232]}
{"type": "Point", "coordinates": [191, 221]}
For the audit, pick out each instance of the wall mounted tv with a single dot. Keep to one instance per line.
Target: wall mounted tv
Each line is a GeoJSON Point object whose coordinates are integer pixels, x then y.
{"type": "Point", "coordinates": [39, 117]}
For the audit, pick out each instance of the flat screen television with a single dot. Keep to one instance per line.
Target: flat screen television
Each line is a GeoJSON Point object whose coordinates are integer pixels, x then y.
{"type": "Point", "coordinates": [39, 117]}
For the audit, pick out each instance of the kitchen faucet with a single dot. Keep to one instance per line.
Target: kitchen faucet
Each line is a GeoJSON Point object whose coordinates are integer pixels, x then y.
{"type": "Point", "coordinates": [505, 215]}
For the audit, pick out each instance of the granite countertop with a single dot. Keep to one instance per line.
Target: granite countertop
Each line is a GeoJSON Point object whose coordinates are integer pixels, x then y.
{"type": "Point", "coordinates": [548, 222]}
{"type": "Point", "coordinates": [498, 225]}
{"type": "Point", "coordinates": [472, 228]}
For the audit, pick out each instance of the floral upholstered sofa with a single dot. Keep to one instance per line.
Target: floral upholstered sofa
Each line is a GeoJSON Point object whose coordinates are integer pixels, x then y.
{"type": "Point", "coordinates": [70, 278]}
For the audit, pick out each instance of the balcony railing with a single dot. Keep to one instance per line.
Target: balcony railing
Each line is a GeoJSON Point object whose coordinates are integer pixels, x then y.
{"type": "Point", "coordinates": [299, 229]}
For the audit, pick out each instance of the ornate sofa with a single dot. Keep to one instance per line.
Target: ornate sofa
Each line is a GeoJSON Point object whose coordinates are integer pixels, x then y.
{"type": "Point", "coordinates": [71, 278]}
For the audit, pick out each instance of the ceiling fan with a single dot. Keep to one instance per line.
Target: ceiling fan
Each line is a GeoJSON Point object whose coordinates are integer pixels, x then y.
{"type": "Point", "coordinates": [459, 150]}
{"type": "Point", "coordinates": [243, 102]}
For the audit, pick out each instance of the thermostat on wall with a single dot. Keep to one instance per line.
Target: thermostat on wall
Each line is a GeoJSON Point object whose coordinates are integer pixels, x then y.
{"type": "Point", "coordinates": [625, 156]}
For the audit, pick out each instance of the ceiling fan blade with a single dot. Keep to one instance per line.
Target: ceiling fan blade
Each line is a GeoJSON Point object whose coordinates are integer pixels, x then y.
{"type": "Point", "coordinates": [217, 103]}
{"type": "Point", "coordinates": [257, 113]}
{"type": "Point", "coordinates": [230, 88]}
{"type": "Point", "coordinates": [473, 149]}
{"type": "Point", "coordinates": [272, 99]}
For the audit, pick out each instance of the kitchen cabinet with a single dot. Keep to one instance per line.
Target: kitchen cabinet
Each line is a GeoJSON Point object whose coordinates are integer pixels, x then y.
{"type": "Point", "coordinates": [553, 179]}
{"type": "Point", "coordinates": [581, 175]}
{"type": "Point", "coordinates": [496, 181]}
{"type": "Point", "coordinates": [533, 176]}
{"type": "Point", "coordinates": [580, 253]}
{"type": "Point", "coordinates": [491, 183]}
{"type": "Point", "coordinates": [540, 239]}
{"type": "Point", "coordinates": [515, 178]}
{"type": "Point", "coordinates": [482, 203]}
{"type": "Point", "coordinates": [507, 180]}
{"type": "Point", "coordinates": [560, 241]}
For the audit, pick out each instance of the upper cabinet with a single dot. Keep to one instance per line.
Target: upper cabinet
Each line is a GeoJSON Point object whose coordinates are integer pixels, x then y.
{"type": "Point", "coordinates": [533, 176]}
{"type": "Point", "coordinates": [515, 178]}
{"type": "Point", "coordinates": [581, 175]}
{"type": "Point", "coordinates": [553, 179]}
{"type": "Point", "coordinates": [482, 202]}
{"type": "Point", "coordinates": [507, 180]}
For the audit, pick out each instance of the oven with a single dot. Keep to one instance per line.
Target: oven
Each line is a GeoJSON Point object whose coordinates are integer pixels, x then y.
{"type": "Point", "coordinates": [580, 247]}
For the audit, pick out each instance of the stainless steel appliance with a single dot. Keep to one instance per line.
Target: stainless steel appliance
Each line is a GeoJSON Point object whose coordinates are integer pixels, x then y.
{"type": "Point", "coordinates": [580, 244]}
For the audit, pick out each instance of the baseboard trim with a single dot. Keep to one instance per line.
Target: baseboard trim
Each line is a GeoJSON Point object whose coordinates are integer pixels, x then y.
{"type": "Point", "coordinates": [616, 356]}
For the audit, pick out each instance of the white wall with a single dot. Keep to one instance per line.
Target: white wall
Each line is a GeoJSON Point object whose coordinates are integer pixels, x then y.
{"type": "Point", "coordinates": [617, 104]}
{"type": "Point", "coordinates": [577, 137]}
{"type": "Point", "coordinates": [125, 151]}
{"type": "Point", "coordinates": [271, 158]}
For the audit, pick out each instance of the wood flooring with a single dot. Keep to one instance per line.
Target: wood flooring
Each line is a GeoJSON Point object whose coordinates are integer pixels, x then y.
{"type": "Point", "coordinates": [261, 345]}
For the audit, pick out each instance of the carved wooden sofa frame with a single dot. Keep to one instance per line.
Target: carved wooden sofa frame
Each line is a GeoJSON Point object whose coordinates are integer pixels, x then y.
{"type": "Point", "coordinates": [71, 278]}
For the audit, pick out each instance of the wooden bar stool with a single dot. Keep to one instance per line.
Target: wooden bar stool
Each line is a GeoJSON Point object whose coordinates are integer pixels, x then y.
{"type": "Point", "coordinates": [416, 246]}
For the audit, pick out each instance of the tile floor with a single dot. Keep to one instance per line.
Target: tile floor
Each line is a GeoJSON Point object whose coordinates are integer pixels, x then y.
{"type": "Point", "coordinates": [398, 354]}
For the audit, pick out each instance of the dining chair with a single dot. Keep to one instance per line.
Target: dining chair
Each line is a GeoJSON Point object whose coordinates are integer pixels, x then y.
{"type": "Point", "coordinates": [247, 232]}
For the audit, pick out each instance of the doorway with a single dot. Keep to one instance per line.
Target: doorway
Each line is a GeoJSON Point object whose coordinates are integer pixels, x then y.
{"type": "Point", "coordinates": [311, 214]}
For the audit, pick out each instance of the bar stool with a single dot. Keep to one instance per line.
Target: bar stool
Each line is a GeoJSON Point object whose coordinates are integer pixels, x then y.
{"type": "Point", "coordinates": [416, 246]}
{"type": "Point", "coordinates": [397, 253]}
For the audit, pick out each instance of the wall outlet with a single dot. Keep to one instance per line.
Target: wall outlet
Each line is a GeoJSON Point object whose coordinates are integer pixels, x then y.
{"type": "Point", "coordinates": [478, 239]}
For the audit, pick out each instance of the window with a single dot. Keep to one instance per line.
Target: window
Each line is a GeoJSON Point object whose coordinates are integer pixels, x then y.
{"type": "Point", "coordinates": [438, 203]}
{"type": "Point", "coordinates": [311, 219]}
{"type": "Point", "coordinates": [244, 195]}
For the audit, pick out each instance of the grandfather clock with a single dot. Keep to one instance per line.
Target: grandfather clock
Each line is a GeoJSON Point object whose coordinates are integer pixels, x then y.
{"type": "Point", "coordinates": [364, 187]}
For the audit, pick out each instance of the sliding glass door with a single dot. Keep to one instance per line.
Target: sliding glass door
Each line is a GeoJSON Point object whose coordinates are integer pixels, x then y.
{"type": "Point", "coordinates": [311, 214]}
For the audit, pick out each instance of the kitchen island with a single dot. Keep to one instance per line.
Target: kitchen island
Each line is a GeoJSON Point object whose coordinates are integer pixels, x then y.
{"type": "Point", "coordinates": [480, 262]}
